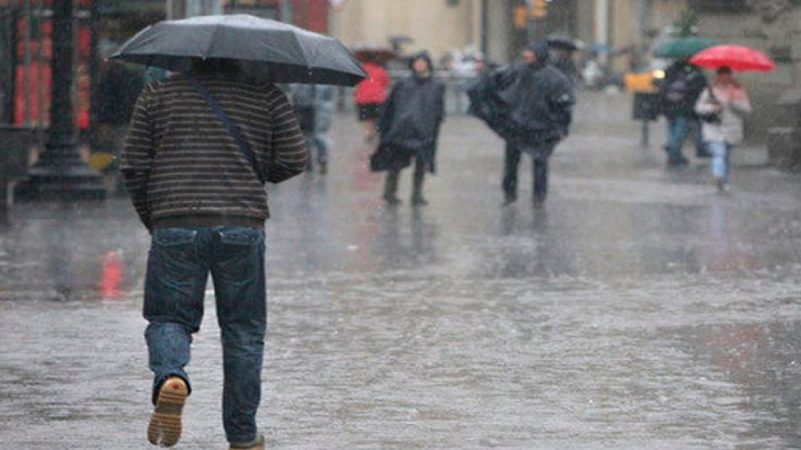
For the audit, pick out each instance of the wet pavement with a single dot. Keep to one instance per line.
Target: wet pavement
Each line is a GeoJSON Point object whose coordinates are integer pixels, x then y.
{"type": "Point", "coordinates": [639, 309]}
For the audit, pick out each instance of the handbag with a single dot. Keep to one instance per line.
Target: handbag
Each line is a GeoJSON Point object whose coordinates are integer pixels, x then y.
{"type": "Point", "coordinates": [232, 128]}
{"type": "Point", "coordinates": [713, 117]}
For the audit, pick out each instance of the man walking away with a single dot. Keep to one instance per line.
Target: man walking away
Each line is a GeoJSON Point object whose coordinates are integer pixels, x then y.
{"type": "Point", "coordinates": [678, 94]}
{"type": "Point", "coordinates": [539, 101]}
{"type": "Point", "coordinates": [409, 128]}
{"type": "Point", "coordinates": [199, 149]}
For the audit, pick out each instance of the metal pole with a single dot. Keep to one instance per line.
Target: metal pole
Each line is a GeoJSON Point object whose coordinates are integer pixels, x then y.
{"type": "Point", "coordinates": [3, 195]}
{"type": "Point", "coordinates": [40, 95]}
{"type": "Point", "coordinates": [27, 61]}
{"type": "Point", "coordinates": [645, 141]}
{"type": "Point", "coordinates": [4, 179]}
{"type": "Point", "coordinates": [61, 173]}
{"type": "Point", "coordinates": [10, 17]}
{"type": "Point", "coordinates": [94, 67]}
{"type": "Point", "coordinates": [40, 61]}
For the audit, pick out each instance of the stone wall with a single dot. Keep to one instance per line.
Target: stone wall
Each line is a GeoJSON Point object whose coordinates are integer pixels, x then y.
{"type": "Point", "coordinates": [435, 26]}
{"type": "Point", "coordinates": [773, 35]}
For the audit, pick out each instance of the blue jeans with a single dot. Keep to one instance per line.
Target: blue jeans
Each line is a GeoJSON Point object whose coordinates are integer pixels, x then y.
{"type": "Point", "coordinates": [677, 130]}
{"type": "Point", "coordinates": [321, 142]}
{"type": "Point", "coordinates": [721, 152]}
{"type": "Point", "coordinates": [178, 265]}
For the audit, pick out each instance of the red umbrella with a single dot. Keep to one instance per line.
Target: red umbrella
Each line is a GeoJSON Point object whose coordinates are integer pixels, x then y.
{"type": "Point", "coordinates": [736, 57]}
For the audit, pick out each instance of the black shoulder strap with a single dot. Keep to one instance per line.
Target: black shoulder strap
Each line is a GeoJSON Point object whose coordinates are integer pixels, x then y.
{"type": "Point", "coordinates": [232, 128]}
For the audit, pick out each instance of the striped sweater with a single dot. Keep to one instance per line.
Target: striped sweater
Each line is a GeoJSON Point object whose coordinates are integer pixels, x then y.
{"type": "Point", "coordinates": [183, 168]}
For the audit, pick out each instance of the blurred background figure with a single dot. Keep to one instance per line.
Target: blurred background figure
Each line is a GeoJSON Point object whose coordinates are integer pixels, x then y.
{"type": "Point", "coordinates": [409, 128]}
{"type": "Point", "coordinates": [678, 94]}
{"type": "Point", "coordinates": [117, 92]}
{"type": "Point", "coordinates": [722, 107]}
{"type": "Point", "coordinates": [314, 107]}
{"type": "Point", "coordinates": [541, 100]}
{"type": "Point", "coordinates": [530, 105]}
{"type": "Point", "coordinates": [371, 94]}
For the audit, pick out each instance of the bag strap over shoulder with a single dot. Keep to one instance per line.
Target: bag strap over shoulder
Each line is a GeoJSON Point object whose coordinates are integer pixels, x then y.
{"type": "Point", "coordinates": [232, 128]}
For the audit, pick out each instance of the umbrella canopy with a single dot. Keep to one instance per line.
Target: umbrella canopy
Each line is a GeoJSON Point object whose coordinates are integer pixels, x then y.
{"type": "Point", "coordinates": [564, 41]}
{"type": "Point", "coordinates": [267, 49]}
{"type": "Point", "coordinates": [683, 48]}
{"type": "Point", "coordinates": [736, 57]}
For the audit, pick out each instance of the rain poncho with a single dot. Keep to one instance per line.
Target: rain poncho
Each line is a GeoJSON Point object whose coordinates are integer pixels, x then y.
{"type": "Point", "coordinates": [527, 105]}
{"type": "Point", "coordinates": [410, 123]}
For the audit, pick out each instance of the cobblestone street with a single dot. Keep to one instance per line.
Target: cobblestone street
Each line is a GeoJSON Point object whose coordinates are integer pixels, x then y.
{"type": "Point", "coordinates": [639, 309]}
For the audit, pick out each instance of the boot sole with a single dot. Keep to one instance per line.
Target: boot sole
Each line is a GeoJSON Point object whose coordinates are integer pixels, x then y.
{"type": "Point", "coordinates": [165, 423]}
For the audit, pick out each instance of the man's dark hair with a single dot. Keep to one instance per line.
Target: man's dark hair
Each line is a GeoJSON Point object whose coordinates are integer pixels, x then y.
{"type": "Point", "coordinates": [215, 65]}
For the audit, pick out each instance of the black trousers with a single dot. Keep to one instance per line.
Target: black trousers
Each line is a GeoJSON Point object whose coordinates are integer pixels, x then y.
{"type": "Point", "coordinates": [393, 176]}
{"type": "Point", "coordinates": [540, 168]}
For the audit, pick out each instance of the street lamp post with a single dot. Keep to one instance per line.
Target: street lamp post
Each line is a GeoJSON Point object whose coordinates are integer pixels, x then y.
{"type": "Point", "coordinates": [61, 173]}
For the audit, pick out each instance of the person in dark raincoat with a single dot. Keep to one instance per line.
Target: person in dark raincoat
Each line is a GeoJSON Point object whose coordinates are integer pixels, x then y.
{"type": "Point", "coordinates": [409, 128]}
{"type": "Point", "coordinates": [529, 104]}
{"type": "Point", "coordinates": [563, 60]}
{"type": "Point", "coordinates": [678, 94]}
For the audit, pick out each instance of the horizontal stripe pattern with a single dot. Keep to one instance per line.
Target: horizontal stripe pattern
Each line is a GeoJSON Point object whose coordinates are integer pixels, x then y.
{"type": "Point", "coordinates": [179, 159]}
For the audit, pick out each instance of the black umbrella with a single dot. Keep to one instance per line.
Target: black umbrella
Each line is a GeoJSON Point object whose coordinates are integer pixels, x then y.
{"type": "Point", "coordinates": [564, 41]}
{"type": "Point", "coordinates": [267, 49]}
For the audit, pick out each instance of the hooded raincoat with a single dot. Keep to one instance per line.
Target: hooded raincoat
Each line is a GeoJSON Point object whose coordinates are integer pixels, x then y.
{"type": "Point", "coordinates": [527, 105]}
{"type": "Point", "coordinates": [410, 123]}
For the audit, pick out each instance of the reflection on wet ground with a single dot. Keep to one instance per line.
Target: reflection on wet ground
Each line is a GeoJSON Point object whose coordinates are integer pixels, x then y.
{"type": "Point", "coordinates": [640, 309]}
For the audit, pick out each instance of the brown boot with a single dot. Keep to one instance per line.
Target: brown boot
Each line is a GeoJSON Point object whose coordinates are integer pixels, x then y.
{"type": "Point", "coordinates": [165, 423]}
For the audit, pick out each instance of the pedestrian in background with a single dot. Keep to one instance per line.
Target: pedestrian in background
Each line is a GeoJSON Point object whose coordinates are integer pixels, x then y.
{"type": "Point", "coordinates": [117, 91]}
{"type": "Point", "coordinates": [678, 93]}
{"type": "Point", "coordinates": [533, 112]}
{"type": "Point", "coordinates": [409, 128]}
{"type": "Point", "coordinates": [370, 95]}
{"type": "Point", "coordinates": [722, 107]}
{"type": "Point", "coordinates": [314, 107]}
{"type": "Point", "coordinates": [199, 149]}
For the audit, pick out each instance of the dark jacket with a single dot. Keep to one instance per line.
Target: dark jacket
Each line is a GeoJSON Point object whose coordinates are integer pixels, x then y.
{"type": "Point", "coordinates": [566, 65]}
{"type": "Point", "coordinates": [410, 124]}
{"type": "Point", "coordinates": [680, 89]}
{"type": "Point", "coordinates": [526, 105]}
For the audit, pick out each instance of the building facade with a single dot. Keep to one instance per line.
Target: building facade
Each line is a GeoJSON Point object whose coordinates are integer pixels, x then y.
{"type": "Point", "coordinates": [435, 25]}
